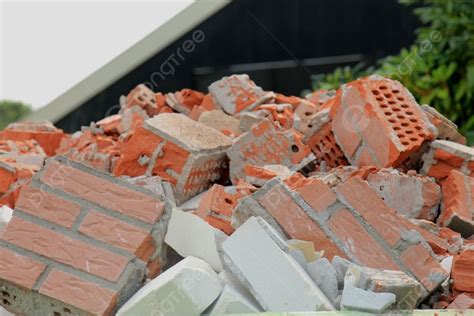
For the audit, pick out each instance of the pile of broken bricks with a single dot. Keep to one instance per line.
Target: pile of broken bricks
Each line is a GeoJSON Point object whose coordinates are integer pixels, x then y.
{"type": "Point", "coordinates": [240, 201]}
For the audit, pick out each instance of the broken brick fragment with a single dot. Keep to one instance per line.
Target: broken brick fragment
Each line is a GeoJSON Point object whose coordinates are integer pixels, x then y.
{"type": "Point", "coordinates": [186, 153]}
{"type": "Point", "coordinates": [412, 196]}
{"type": "Point", "coordinates": [146, 99]}
{"type": "Point", "coordinates": [264, 145]}
{"type": "Point", "coordinates": [68, 249]}
{"type": "Point", "coordinates": [457, 210]}
{"type": "Point", "coordinates": [445, 156]}
{"type": "Point", "coordinates": [377, 122]}
{"type": "Point", "coordinates": [463, 271]}
{"type": "Point", "coordinates": [447, 130]}
{"type": "Point", "coordinates": [462, 302]}
{"type": "Point", "coordinates": [238, 93]}
{"type": "Point", "coordinates": [48, 136]}
{"type": "Point", "coordinates": [185, 100]}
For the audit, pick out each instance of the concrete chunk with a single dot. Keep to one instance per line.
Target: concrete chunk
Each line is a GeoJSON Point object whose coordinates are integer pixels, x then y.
{"type": "Point", "coordinates": [189, 235]}
{"type": "Point", "coordinates": [6, 214]}
{"type": "Point", "coordinates": [272, 276]}
{"type": "Point", "coordinates": [366, 301]}
{"type": "Point", "coordinates": [187, 288]}
{"type": "Point", "coordinates": [325, 276]}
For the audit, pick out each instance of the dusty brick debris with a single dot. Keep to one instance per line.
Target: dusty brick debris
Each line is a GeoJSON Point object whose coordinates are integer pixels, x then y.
{"type": "Point", "coordinates": [240, 200]}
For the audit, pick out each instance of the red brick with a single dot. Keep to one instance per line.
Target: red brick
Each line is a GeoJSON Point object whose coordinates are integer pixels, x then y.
{"type": "Point", "coordinates": [104, 193]}
{"type": "Point", "coordinates": [19, 269]}
{"type": "Point", "coordinates": [295, 222]}
{"type": "Point", "coordinates": [48, 206]}
{"type": "Point", "coordinates": [118, 233]}
{"type": "Point", "coordinates": [462, 302]}
{"type": "Point", "coordinates": [423, 266]}
{"type": "Point", "coordinates": [317, 194]}
{"type": "Point", "coordinates": [386, 117]}
{"type": "Point", "coordinates": [463, 271]}
{"type": "Point", "coordinates": [324, 146]}
{"type": "Point", "coordinates": [63, 249]}
{"type": "Point", "coordinates": [358, 242]}
{"type": "Point", "coordinates": [373, 209]}
{"type": "Point", "coordinates": [74, 291]}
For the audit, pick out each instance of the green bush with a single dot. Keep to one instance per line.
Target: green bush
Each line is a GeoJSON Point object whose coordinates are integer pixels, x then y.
{"type": "Point", "coordinates": [438, 68]}
{"type": "Point", "coordinates": [11, 111]}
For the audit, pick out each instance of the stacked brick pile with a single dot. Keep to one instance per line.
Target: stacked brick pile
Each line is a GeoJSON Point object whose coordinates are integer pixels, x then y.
{"type": "Point", "coordinates": [356, 199]}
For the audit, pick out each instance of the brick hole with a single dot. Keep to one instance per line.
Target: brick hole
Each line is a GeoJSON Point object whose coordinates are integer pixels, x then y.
{"type": "Point", "coordinates": [140, 98]}
{"type": "Point", "coordinates": [413, 120]}
{"type": "Point", "coordinates": [310, 125]}
{"type": "Point", "coordinates": [401, 116]}
{"type": "Point", "coordinates": [422, 135]}
{"type": "Point", "coordinates": [333, 151]}
{"type": "Point", "coordinates": [388, 95]}
{"type": "Point", "coordinates": [418, 127]}
{"type": "Point", "coordinates": [383, 106]}
{"type": "Point", "coordinates": [409, 113]}
{"type": "Point", "coordinates": [383, 88]}
{"type": "Point", "coordinates": [392, 120]}
{"type": "Point", "coordinates": [376, 92]}
{"type": "Point", "coordinates": [228, 201]}
{"type": "Point", "coordinates": [308, 113]}
{"type": "Point", "coordinates": [401, 135]}
{"type": "Point", "coordinates": [295, 148]}
{"type": "Point", "coordinates": [6, 302]}
{"type": "Point", "coordinates": [395, 91]}
{"type": "Point", "coordinates": [405, 106]}
{"type": "Point", "coordinates": [67, 310]}
{"type": "Point", "coordinates": [379, 98]}
{"type": "Point", "coordinates": [396, 109]}
{"type": "Point", "coordinates": [414, 139]}
{"type": "Point", "coordinates": [392, 102]}
{"type": "Point", "coordinates": [388, 113]}
{"type": "Point", "coordinates": [5, 293]}
{"type": "Point", "coordinates": [400, 99]}
{"type": "Point", "coordinates": [409, 131]}
{"type": "Point", "coordinates": [405, 143]}
{"type": "Point", "coordinates": [397, 128]}
{"type": "Point", "coordinates": [153, 101]}
{"type": "Point", "coordinates": [405, 124]}
{"type": "Point", "coordinates": [56, 314]}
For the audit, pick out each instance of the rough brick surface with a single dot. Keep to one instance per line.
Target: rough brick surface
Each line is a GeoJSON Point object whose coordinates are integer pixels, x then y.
{"type": "Point", "coordinates": [345, 223]}
{"type": "Point", "coordinates": [263, 145]}
{"type": "Point", "coordinates": [238, 93]}
{"type": "Point", "coordinates": [72, 250]}
{"type": "Point", "coordinates": [377, 122]}
{"type": "Point", "coordinates": [445, 156]}
{"type": "Point", "coordinates": [457, 211]}
{"type": "Point", "coordinates": [463, 271]}
{"type": "Point", "coordinates": [186, 153]}
{"type": "Point", "coordinates": [48, 136]}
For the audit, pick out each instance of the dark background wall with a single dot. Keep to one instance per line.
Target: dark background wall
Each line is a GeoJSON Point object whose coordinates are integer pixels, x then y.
{"type": "Point", "coordinates": [279, 43]}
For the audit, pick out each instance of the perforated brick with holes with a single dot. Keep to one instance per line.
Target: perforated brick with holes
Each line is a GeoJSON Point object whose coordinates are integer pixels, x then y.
{"type": "Point", "coordinates": [377, 122]}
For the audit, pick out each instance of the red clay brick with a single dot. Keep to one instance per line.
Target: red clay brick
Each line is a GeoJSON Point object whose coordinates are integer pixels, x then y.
{"type": "Point", "coordinates": [104, 193]}
{"type": "Point", "coordinates": [74, 291]}
{"type": "Point", "coordinates": [317, 194]}
{"type": "Point", "coordinates": [423, 266]}
{"type": "Point", "coordinates": [118, 233]}
{"type": "Point", "coordinates": [386, 117]}
{"type": "Point", "coordinates": [48, 206]}
{"type": "Point", "coordinates": [19, 269]}
{"type": "Point", "coordinates": [358, 242]}
{"type": "Point", "coordinates": [463, 271]}
{"type": "Point", "coordinates": [295, 222]}
{"type": "Point", "coordinates": [61, 248]}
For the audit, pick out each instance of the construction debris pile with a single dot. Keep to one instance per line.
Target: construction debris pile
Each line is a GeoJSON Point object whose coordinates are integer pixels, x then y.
{"type": "Point", "coordinates": [240, 201]}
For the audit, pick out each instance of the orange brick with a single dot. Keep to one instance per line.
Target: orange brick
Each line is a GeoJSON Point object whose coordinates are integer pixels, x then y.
{"type": "Point", "coordinates": [19, 269]}
{"type": "Point", "coordinates": [295, 222]}
{"type": "Point", "coordinates": [63, 249]}
{"type": "Point", "coordinates": [74, 291]}
{"type": "Point", "coordinates": [463, 271]}
{"type": "Point", "coordinates": [359, 244]}
{"type": "Point", "coordinates": [48, 206]}
{"type": "Point", "coordinates": [118, 233]}
{"type": "Point", "coordinates": [105, 193]}
{"type": "Point", "coordinates": [386, 117]}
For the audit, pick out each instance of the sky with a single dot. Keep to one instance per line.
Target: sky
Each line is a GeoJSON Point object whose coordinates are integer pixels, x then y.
{"type": "Point", "coordinates": [46, 47]}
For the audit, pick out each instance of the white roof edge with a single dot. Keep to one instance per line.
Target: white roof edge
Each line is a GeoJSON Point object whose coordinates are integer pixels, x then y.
{"type": "Point", "coordinates": [159, 39]}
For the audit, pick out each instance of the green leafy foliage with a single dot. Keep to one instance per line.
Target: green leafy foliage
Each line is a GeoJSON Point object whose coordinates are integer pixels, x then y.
{"type": "Point", "coordinates": [438, 68]}
{"type": "Point", "coordinates": [11, 111]}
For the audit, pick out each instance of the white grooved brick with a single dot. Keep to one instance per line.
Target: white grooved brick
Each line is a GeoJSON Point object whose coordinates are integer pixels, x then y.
{"type": "Point", "coordinates": [189, 235]}
{"type": "Point", "coordinates": [187, 288]}
{"type": "Point", "coordinates": [275, 279]}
